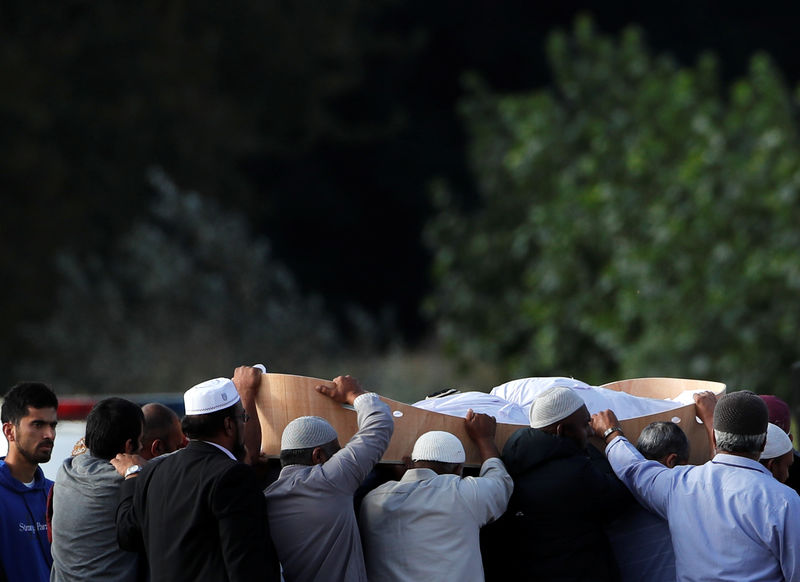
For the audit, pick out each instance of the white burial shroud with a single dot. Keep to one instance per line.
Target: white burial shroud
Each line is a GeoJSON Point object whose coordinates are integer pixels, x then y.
{"type": "Point", "coordinates": [510, 403]}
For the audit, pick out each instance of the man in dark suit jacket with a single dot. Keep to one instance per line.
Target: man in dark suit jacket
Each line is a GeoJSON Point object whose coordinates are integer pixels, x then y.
{"type": "Point", "coordinates": [198, 513]}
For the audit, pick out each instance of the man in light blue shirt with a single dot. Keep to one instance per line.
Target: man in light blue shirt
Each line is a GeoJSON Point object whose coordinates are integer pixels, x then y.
{"type": "Point", "coordinates": [730, 520]}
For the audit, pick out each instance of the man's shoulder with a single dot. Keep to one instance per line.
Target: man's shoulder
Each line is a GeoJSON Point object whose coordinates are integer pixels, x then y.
{"type": "Point", "coordinates": [530, 450]}
{"type": "Point", "coordinates": [289, 477]}
{"type": "Point", "coordinates": [45, 484]}
{"type": "Point", "coordinates": [430, 482]}
{"type": "Point", "coordinates": [7, 482]}
{"type": "Point", "coordinates": [196, 454]}
{"type": "Point", "coordinates": [750, 480]}
{"type": "Point", "coordinates": [86, 470]}
{"type": "Point", "coordinates": [778, 492]}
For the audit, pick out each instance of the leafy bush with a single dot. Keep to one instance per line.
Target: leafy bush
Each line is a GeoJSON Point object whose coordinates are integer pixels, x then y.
{"type": "Point", "coordinates": [636, 218]}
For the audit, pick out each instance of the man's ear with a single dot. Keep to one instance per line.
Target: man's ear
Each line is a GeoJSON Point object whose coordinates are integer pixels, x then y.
{"type": "Point", "coordinates": [671, 460]}
{"type": "Point", "coordinates": [130, 446]}
{"type": "Point", "coordinates": [318, 456]}
{"type": "Point", "coordinates": [8, 431]}
{"type": "Point", "coordinates": [156, 448]}
{"type": "Point", "coordinates": [229, 424]}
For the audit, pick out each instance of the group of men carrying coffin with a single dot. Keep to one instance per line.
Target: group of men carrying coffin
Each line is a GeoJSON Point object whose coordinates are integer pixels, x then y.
{"type": "Point", "coordinates": [549, 507]}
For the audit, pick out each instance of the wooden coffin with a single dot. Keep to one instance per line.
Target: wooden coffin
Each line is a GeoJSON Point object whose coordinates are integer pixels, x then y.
{"type": "Point", "coordinates": [283, 397]}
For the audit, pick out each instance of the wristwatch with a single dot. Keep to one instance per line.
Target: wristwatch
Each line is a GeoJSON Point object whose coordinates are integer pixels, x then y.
{"type": "Point", "coordinates": [608, 431]}
{"type": "Point", "coordinates": [132, 470]}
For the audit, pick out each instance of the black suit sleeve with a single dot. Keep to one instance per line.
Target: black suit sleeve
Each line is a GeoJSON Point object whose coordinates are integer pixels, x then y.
{"type": "Point", "coordinates": [129, 533]}
{"type": "Point", "coordinates": [241, 512]}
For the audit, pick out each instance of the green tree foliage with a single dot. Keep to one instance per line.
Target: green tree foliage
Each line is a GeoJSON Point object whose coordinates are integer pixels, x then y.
{"type": "Point", "coordinates": [635, 219]}
{"type": "Point", "coordinates": [187, 294]}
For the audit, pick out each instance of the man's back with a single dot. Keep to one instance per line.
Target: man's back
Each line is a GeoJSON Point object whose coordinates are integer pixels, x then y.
{"type": "Point", "coordinates": [729, 519]}
{"type": "Point", "coordinates": [562, 499]}
{"type": "Point", "coordinates": [24, 548]}
{"type": "Point", "coordinates": [85, 547]}
{"type": "Point", "coordinates": [199, 515]}
{"type": "Point", "coordinates": [642, 546]}
{"type": "Point", "coordinates": [426, 526]}
{"type": "Point", "coordinates": [310, 508]}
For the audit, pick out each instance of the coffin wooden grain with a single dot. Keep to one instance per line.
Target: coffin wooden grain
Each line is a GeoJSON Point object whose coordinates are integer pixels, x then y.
{"type": "Point", "coordinates": [284, 397]}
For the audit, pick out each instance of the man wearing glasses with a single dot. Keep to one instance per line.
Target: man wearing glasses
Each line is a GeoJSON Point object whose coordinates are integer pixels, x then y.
{"type": "Point", "coordinates": [198, 513]}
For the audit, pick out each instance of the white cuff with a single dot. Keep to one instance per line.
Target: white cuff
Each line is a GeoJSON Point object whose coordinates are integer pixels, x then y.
{"type": "Point", "coordinates": [370, 394]}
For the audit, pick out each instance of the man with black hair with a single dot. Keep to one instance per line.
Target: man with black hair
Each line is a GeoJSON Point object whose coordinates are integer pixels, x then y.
{"type": "Point", "coordinates": [162, 431]}
{"type": "Point", "coordinates": [199, 513]}
{"type": "Point", "coordinates": [85, 498]}
{"type": "Point", "coordinates": [664, 442]}
{"type": "Point", "coordinates": [730, 520]}
{"type": "Point", "coordinates": [29, 418]}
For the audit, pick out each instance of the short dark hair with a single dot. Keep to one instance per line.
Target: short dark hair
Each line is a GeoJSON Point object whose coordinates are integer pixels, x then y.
{"type": "Point", "coordinates": [659, 439]}
{"type": "Point", "coordinates": [110, 424]}
{"type": "Point", "coordinates": [205, 426]}
{"type": "Point", "coordinates": [303, 456]}
{"type": "Point", "coordinates": [158, 420]}
{"type": "Point", "coordinates": [24, 395]}
{"type": "Point", "coordinates": [749, 444]}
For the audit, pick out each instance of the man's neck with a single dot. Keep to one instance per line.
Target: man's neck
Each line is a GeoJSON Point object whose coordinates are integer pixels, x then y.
{"type": "Point", "coordinates": [20, 468]}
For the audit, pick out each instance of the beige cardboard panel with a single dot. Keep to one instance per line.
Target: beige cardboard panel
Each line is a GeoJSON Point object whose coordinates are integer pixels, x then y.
{"type": "Point", "coordinates": [284, 397]}
{"type": "Point", "coordinates": [700, 450]}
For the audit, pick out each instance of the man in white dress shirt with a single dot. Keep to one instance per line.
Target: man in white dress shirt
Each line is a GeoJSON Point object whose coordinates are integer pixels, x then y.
{"type": "Point", "coordinates": [426, 526]}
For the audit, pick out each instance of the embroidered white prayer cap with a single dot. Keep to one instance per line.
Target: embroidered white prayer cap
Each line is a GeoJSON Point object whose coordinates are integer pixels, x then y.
{"type": "Point", "coordinates": [778, 442]}
{"type": "Point", "coordinates": [210, 396]}
{"type": "Point", "coordinates": [552, 405]}
{"type": "Point", "coordinates": [306, 432]}
{"type": "Point", "coordinates": [438, 445]}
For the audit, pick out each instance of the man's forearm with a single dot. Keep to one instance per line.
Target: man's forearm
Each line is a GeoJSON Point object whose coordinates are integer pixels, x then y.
{"type": "Point", "coordinates": [374, 421]}
{"type": "Point", "coordinates": [129, 535]}
{"type": "Point", "coordinates": [350, 466]}
{"type": "Point", "coordinates": [487, 449]}
{"type": "Point", "coordinates": [252, 430]}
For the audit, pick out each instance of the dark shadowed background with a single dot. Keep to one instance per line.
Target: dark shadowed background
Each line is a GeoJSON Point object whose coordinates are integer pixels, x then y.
{"type": "Point", "coordinates": [190, 185]}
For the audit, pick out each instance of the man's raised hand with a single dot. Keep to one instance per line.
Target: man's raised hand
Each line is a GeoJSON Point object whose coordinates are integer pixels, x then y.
{"type": "Point", "coordinates": [345, 389]}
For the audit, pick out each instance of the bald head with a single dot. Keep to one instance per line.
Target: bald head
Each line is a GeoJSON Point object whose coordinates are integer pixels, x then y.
{"type": "Point", "coordinates": [162, 430]}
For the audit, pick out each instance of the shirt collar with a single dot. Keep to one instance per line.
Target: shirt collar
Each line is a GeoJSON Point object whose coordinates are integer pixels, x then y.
{"type": "Point", "coordinates": [737, 461]}
{"type": "Point", "coordinates": [221, 448]}
{"type": "Point", "coordinates": [419, 474]}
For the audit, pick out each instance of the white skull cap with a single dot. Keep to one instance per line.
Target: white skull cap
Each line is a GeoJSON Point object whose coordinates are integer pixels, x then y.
{"type": "Point", "coordinates": [440, 446]}
{"type": "Point", "coordinates": [307, 432]}
{"type": "Point", "coordinates": [210, 396]}
{"type": "Point", "coordinates": [552, 405]}
{"type": "Point", "coordinates": [778, 442]}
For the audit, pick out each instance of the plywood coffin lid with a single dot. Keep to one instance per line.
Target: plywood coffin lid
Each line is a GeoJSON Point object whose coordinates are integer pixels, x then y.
{"type": "Point", "coordinates": [284, 397]}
